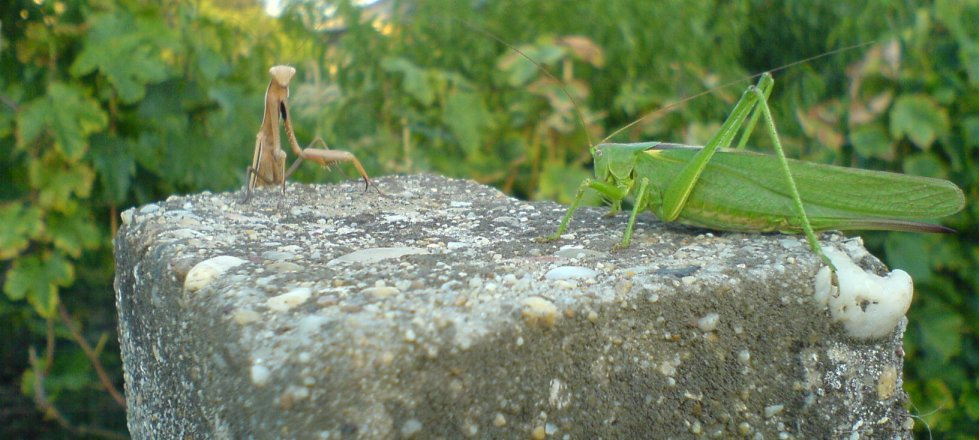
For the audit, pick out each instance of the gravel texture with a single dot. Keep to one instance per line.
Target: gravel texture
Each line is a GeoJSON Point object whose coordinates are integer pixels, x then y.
{"type": "Point", "coordinates": [432, 312]}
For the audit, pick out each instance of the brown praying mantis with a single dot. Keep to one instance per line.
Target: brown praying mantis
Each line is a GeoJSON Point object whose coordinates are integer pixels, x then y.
{"type": "Point", "coordinates": [269, 161]}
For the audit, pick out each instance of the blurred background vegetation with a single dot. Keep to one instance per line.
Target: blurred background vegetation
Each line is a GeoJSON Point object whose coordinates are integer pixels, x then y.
{"type": "Point", "coordinates": [109, 104]}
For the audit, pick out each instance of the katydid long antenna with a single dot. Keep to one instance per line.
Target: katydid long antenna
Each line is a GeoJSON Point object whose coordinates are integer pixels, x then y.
{"type": "Point", "coordinates": [669, 106]}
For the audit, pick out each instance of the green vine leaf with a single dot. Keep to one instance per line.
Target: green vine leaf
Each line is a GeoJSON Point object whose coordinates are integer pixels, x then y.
{"type": "Point", "coordinates": [468, 118]}
{"type": "Point", "coordinates": [21, 224]}
{"type": "Point", "coordinates": [72, 232]}
{"type": "Point", "coordinates": [416, 81]}
{"type": "Point", "coordinates": [127, 50]}
{"type": "Point", "coordinates": [58, 181]}
{"type": "Point", "coordinates": [67, 114]}
{"type": "Point", "coordinates": [37, 279]}
{"type": "Point", "coordinates": [920, 118]}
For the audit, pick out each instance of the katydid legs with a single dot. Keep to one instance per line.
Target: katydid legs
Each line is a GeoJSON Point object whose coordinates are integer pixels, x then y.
{"type": "Point", "coordinates": [736, 190]}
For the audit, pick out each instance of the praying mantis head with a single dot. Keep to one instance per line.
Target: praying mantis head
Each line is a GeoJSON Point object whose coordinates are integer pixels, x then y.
{"type": "Point", "coordinates": [282, 74]}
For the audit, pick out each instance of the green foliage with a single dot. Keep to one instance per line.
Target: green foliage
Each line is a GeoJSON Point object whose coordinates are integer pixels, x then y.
{"type": "Point", "coordinates": [919, 81]}
{"type": "Point", "coordinates": [114, 103]}
{"type": "Point", "coordinates": [104, 105]}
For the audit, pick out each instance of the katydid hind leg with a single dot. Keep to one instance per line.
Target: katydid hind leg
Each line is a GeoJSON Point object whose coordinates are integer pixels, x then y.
{"type": "Point", "coordinates": [679, 190]}
{"type": "Point", "coordinates": [790, 181]}
{"type": "Point", "coordinates": [765, 85]}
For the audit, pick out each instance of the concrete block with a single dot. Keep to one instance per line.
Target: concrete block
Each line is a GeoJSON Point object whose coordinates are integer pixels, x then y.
{"type": "Point", "coordinates": [432, 312]}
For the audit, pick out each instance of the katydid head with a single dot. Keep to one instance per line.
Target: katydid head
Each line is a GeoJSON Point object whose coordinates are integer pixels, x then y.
{"type": "Point", "coordinates": [282, 74]}
{"type": "Point", "coordinates": [617, 161]}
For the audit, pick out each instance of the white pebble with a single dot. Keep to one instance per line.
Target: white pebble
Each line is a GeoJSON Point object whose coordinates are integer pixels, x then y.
{"type": "Point", "coordinates": [380, 292]}
{"type": "Point", "coordinates": [127, 216]}
{"type": "Point", "coordinates": [570, 272]}
{"type": "Point", "coordinates": [206, 271]}
{"type": "Point", "coordinates": [744, 356]}
{"type": "Point", "coordinates": [410, 428]}
{"type": "Point", "coordinates": [708, 323]}
{"type": "Point", "coordinates": [245, 316]}
{"type": "Point", "coordinates": [772, 410]}
{"type": "Point", "coordinates": [260, 375]}
{"type": "Point", "coordinates": [373, 255]}
{"type": "Point", "coordinates": [289, 299]}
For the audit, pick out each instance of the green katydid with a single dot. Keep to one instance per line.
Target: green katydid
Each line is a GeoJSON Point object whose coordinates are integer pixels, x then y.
{"type": "Point", "coordinates": [737, 190]}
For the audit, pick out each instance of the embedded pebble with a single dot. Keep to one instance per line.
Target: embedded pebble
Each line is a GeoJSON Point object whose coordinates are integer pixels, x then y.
{"type": "Point", "coordinates": [539, 433]}
{"type": "Point", "coordinates": [772, 410]}
{"type": "Point", "coordinates": [127, 216]}
{"type": "Point", "coordinates": [185, 233]}
{"type": "Point", "coordinates": [260, 375]}
{"type": "Point", "coordinates": [499, 421]}
{"type": "Point", "coordinates": [285, 266]}
{"type": "Point", "coordinates": [578, 253]}
{"type": "Point", "coordinates": [411, 428]}
{"type": "Point", "coordinates": [277, 255]}
{"type": "Point", "coordinates": [789, 243]}
{"type": "Point", "coordinates": [245, 316]}
{"type": "Point", "coordinates": [708, 322]}
{"type": "Point", "coordinates": [206, 271]}
{"type": "Point", "coordinates": [744, 356]}
{"type": "Point", "coordinates": [570, 272]}
{"type": "Point", "coordinates": [380, 291]}
{"type": "Point", "coordinates": [374, 255]}
{"type": "Point", "coordinates": [592, 317]}
{"type": "Point", "coordinates": [289, 299]}
{"type": "Point", "coordinates": [538, 311]}
{"type": "Point", "coordinates": [311, 324]}
{"type": "Point", "coordinates": [887, 383]}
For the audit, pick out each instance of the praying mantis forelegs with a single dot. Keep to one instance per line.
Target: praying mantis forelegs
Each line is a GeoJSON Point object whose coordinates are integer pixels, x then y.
{"type": "Point", "coordinates": [326, 158]}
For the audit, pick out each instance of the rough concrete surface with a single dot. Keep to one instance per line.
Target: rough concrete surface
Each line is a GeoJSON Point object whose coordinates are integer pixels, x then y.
{"type": "Point", "coordinates": [332, 312]}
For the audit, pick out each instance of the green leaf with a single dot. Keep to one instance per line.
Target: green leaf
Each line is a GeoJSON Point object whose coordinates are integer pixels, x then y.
{"type": "Point", "coordinates": [872, 141]}
{"type": "Point", "coordinates": [67, 114]}
{"type": "Point", "coordinates": [970, 131]}
{"type": "Point", "coordinates": [38, 279]}
{"type": "Point", "coordinates": [115, 165]}
{"type": "Point", "coordinates": [559, 181]}
{"type": "Point", "coordinates": [942, 333]}
{"type": "Point", "coordinates": [919, 118]}
{"type": "Point", "coordinates": [71, 371]}
{"type": "Point", "coordinates": [415, 80]}
{"type": "Point", "coordinates": [72, 232]}
{"type": "Point", "coordinates": [31, 120]}
{"type": "Point", "coordinates": [924, 164]}
{"type": "Point", "coordinates": [20, 225]}
{"type": "Point", "coordinates": [6, 124]}
{"type": "Point", "coordinates": [908, 252]}
{"type": "Point", "coordinates": [58, 181]}
{"type": "Point", "coordinates": [518, 70]}
{"type": "Point", "coordinates": [467, 117]}
{"type": "Point", "coordinates": [128, 50]}
{"type": "Point", "coordinates": [970, 402]}
{"type": "Point", "coordinates": [969, 57]}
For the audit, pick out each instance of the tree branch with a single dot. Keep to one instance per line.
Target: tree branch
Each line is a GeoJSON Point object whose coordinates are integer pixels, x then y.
{"type": "Point", "coordinates": [92, 356]}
